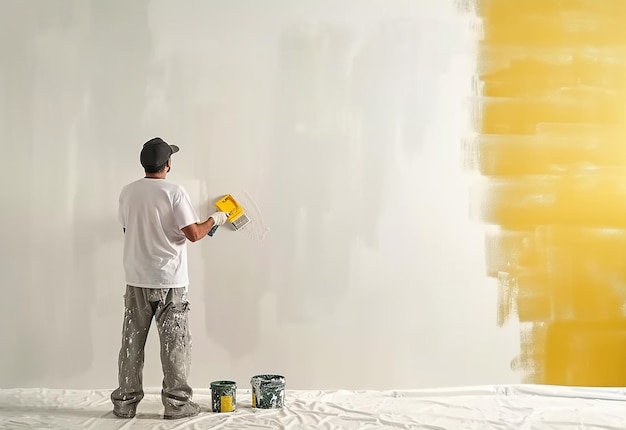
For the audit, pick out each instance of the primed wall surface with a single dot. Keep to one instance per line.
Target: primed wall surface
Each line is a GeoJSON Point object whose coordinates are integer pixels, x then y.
{"type": "Point", "coordinates": [337, 123]}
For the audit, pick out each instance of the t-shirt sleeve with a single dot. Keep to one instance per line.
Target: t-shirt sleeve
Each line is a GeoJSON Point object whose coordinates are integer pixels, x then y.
{"type": "Point", "coordinates": [120, 213]}
{"type": "Point", "coordinates": [184, 213]}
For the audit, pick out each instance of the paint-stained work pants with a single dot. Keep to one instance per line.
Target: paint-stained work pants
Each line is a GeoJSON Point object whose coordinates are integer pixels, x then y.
{"type": "Point", "coordinates": [169, 307]}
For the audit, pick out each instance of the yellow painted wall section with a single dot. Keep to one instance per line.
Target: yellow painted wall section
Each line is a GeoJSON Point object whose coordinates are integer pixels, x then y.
{"type": "Point", "coordinates": [551, 145]}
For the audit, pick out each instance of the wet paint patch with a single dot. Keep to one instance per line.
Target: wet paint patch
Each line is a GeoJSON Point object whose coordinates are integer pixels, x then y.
{"type": "Point", "coordinates": [549, 139]}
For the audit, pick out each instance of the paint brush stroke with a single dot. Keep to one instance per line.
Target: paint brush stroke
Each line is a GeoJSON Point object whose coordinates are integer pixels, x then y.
{"type": "Point", "coordinates": [257, 230]}
{"type": "Point", "coordinates": [550, 131]}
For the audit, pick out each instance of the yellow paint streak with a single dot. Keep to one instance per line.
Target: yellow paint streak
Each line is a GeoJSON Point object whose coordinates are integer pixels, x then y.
{"type": "Point", "coordinates": [551, 142]}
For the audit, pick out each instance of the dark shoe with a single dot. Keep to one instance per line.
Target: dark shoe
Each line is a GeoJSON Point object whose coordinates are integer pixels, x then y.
{"type": "Point", "coordinates": [189, 409]}
{"type": "Point", "coordinates": [125, 402]}
{"type": "Point", "coordinates": [124, 413]}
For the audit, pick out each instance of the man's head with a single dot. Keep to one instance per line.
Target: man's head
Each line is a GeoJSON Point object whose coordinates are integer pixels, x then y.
{"type": "Point", "coordinates": [155, 155]}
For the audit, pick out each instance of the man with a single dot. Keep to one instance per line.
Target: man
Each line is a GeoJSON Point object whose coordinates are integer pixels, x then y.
{"type": "Point", "coordinates": [157, 218]}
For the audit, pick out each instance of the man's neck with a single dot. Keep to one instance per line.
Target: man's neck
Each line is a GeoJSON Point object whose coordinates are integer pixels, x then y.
{"type": "Point", "coordinates": [156, 175]}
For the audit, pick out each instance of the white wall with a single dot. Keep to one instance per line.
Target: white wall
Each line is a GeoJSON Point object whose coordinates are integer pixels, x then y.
{"type": "Point", "coordinates": [341, 120]}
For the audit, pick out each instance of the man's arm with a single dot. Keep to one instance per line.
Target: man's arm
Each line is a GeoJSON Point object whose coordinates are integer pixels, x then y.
{"type": "Point", "coordinates": [195, 232]}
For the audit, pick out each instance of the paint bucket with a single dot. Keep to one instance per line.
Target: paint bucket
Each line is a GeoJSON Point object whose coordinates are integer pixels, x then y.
{"type": "Point", "coordinates": [224, 396]}
{"type": "Point", "coordinates": [268, 391]}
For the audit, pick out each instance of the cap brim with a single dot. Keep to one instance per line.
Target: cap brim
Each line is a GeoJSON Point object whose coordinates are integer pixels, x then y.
{"type": "Point", "coordinates": [175, 149]}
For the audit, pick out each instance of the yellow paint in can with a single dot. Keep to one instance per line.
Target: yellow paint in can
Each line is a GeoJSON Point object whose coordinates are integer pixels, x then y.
{"type": "Point", "coordinates": [226, 404]}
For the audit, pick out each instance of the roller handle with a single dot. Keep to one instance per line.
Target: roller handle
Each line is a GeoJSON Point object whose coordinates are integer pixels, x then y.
{"type": "Point", "coordinates": [213, 229]}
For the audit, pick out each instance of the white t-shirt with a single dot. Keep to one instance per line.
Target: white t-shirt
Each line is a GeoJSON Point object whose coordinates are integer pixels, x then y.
{"type": "Point", "coordinates": [153, 212]}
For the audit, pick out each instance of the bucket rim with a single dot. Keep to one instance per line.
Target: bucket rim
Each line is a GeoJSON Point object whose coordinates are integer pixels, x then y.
{"type": "Point", "coordinates": [268, 377]}
{"type": "Point", "coordinates": [268, 381]}
{"type": "Point", "coordinates": [223, 383]}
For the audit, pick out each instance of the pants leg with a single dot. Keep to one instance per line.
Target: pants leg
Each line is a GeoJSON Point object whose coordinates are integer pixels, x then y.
{"type": "Point", "coordinates": [138, 315]}
{"type": "Point", "coordinates": [172, 323]}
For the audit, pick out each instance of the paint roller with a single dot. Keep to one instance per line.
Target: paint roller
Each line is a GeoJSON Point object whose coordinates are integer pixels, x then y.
{"type": "Point", "coordinates": [236, 214]}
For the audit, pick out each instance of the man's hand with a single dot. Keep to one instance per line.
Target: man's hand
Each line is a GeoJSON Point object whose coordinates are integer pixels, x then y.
{"type": "Point", "coordinates": [219, 218]}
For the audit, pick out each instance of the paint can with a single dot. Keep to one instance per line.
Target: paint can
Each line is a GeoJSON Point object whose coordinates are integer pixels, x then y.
{"type": "Point", "coordinates": [224, 396]}
{"type": "Point", "coordinates": [268, 391]}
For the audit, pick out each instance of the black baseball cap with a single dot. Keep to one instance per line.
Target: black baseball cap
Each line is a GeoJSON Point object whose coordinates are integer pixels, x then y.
{"type": "Point", "coordinates": [156, 152]}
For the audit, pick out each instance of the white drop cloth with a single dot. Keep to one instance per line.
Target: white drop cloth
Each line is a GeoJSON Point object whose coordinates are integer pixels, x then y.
{"type": "Point", "coordinates": [526, 407]}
